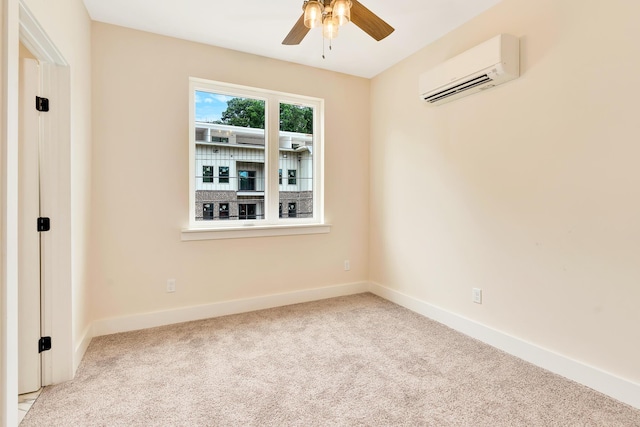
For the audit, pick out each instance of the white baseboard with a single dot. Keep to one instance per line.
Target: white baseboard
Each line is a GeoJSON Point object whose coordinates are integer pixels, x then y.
{"type": "Point", "coordinates": [82, 346]}
{"type": "Point", "coordinates": [604, 382]}
{"type": "Point", "coordinates": [186, 314]}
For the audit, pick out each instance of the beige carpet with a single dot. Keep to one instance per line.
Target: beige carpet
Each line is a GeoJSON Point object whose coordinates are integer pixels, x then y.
{"type": "Point", "coordinates": [357, 360]}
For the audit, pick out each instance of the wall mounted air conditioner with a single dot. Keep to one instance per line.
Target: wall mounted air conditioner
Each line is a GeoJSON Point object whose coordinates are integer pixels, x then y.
{"type": "Point", "coordinates": [487, 65]}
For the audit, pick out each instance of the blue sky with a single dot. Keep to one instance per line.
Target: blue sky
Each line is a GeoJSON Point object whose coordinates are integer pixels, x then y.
{"type": "Point", "coordinates": [209, 106]}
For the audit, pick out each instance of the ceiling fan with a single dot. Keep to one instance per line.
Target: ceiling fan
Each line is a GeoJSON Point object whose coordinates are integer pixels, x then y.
{"type": "Point", "coordinates": [331, 14]}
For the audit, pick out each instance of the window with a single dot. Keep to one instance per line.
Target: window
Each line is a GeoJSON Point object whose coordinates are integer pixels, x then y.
{"type": "Point", "coordinates": [224, 211]}
{"type": "Point", "coordinates": [223, 174]}
{"type": "Point", "coordinates": [292, 177]}
{"type": "Point", "coordinates": [247, 180]}
{"type": "Point", "coordinates": [253, 136]}
{"type": "Point", "coordinates": [247, 211]}
{"type": "Point", "coordinates": [207, 211]}
{"type": "Point", "coordinates": [207, 173]}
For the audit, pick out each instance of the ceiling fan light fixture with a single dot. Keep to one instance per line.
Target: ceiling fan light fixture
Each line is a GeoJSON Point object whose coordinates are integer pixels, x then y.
{"type": "Point", "coordinates": [342, 11]}
{"type": "Point", "coordinates": [330, 15]}
{"type": "Point", "coordinates": [330, 26]}
{"type": "Point", "coordinates": [312, 13]}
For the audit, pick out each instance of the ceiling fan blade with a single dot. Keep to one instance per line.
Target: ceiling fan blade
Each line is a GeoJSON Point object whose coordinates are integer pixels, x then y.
{"type": "Point", "coordinates": [297, 33]}
{"type": "Point", "coordinates": [369, 22]}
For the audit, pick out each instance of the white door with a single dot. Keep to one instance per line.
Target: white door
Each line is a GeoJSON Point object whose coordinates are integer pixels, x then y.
{"type": "Point", "coordinates": [29, 361]}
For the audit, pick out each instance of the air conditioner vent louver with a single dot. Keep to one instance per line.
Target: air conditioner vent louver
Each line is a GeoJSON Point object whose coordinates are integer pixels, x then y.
{"type": "Point", "coordinates": [469, 84]}
{"type": "Point", "coordinates": [484, 66]}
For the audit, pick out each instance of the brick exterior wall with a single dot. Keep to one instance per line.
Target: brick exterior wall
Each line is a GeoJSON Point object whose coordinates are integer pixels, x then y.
{"type": "Point", "coordinates": [302, 199]}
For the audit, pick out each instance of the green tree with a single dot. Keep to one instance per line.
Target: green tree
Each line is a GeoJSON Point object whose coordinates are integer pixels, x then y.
{"type": "Point", "coordinates": [246, 112]}
{"type": "Point", "coordinates": [243, 112]}
{"type": "Point", "coordinates": [296, 119]}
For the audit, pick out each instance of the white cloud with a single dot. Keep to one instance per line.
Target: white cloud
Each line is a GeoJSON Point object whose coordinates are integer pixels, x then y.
{"type": "Point", "coordinates": [221, 98]}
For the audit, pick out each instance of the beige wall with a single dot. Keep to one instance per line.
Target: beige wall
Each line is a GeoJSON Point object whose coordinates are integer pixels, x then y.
{"type": "Point", "coordinates": [140, 179]}
{"type": "Point", "coordinates": [68, 25]}
{"type": "Point", "coordinates": [530, 191]}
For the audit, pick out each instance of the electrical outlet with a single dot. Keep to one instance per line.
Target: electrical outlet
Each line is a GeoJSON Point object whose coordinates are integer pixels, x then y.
{"type": "Point", "coordinates": [477, 295]}
{"type": "Point", "coordinates": [171, 285]}
{"type": "Point", "coordinates": [347, 265]}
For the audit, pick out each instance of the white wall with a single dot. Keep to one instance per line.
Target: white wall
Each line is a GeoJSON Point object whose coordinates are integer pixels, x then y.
{"type": "Point", "coordinates": [140, 180]}
{"type": "Point", "coordinates": [530, 191]}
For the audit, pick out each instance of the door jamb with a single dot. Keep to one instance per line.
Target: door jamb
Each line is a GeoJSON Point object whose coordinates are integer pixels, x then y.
{"type": "Point", "coordinates": [57, 364]}
{"type": "Point", "coordinates": [18, 24]}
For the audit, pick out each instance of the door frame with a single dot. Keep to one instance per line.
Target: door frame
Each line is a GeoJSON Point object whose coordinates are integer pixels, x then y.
{"type": "Point", "coordinates": [17, 24]}
{"type": "Point", "coordinates": [55, 199]}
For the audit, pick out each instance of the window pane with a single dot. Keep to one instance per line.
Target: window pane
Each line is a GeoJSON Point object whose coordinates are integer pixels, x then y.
{"type": "Point", "coordinates": [247, 210]}
{"type": "Point", "coordinates": [292, 210]}
{"type": "Point", "coordinates": [229, 146]}
{"type": "Point", "coordinates": [207, 211]}
{"type": "Point", "coordinates": [296, 161]}
{"type": "Point", "coordinates": [207, 173]}
{"type": "Point", "coordinates": [292, 177]}
{"type": "Point", "coordinates": [224, 211]}
{"type": "Point", "coordinates": [223, 174]}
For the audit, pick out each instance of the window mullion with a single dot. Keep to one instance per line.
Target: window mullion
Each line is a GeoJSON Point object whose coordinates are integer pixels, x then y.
{"type": "Point", "coordinates": [271, 158]}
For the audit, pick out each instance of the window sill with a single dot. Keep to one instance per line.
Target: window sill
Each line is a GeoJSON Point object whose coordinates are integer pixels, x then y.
{"type": "Point", "coordinates": [190, 234]}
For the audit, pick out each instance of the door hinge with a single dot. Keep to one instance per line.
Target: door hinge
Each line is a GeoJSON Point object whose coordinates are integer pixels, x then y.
{"type": "Point", "coordinates": [42, 104]}
{"type": "Point", "coordinates": [44, 344]}
{"type": "Point", "coordinates": [44, 224]}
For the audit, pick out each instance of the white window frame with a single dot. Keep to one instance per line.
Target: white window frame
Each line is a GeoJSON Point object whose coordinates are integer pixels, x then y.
{"type": "Point", "coordinates": [271, 225]}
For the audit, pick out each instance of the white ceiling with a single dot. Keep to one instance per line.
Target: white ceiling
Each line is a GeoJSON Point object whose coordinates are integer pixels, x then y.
{"type": "Point", "coordinates": [259, 26]}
